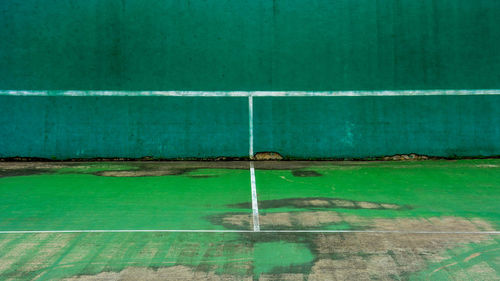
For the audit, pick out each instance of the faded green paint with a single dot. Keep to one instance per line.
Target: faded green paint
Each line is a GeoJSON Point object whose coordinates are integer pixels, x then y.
{"type": "Point", "coordinates": [133, 127]}
{"type": "Point", "coordinates": [281, 256]}
{"type": "Point", "coordinates": [175, 196]}
{"type": "Point", "coordinates": [470, 262]}
{"type": "Point", "coordinates": [357, 127]}
{"type": "Point", "coordinates": [91, 195]}
{"type": "Point", "coordinates": [81, 200]}
{"type": "Point", "coordinates": [423, 189]}
{"type": "Point", "coordinates": [216, 255]}
{"type": "Point", "coordinates": [56, 256]}
{"type": "Point", "coordinates": [249, 45]}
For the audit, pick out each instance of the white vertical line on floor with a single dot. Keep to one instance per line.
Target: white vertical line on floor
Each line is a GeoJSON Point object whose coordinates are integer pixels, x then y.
{"type": "Point", "coordinates": [250, 126]}
{"type": "Point", "coordinates": [255, 205]}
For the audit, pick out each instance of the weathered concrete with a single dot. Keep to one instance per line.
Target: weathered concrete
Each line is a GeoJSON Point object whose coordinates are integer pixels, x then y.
{"type": "Point", "coordinates": [428, 205]}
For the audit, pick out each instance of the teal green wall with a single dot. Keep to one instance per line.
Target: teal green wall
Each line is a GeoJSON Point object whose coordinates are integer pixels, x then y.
{"type": "Point", "coordinates": [86, 127]}
{"type": "Point", "coordinates": [64, 127]}
{"type": "Point", "coordinates": [206, 45]}
{"type": "Point", "coordinates": [249, 44]}
{"type": "Point", "coordinates": [359, 127]}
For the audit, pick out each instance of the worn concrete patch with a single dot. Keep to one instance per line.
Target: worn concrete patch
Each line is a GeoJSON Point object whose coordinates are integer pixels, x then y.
{"type": "Point", "coordinates": [315, 219]}
{"type": "Point", "coordinates": [324, 256]}
{"type": "Point", "coordinates": [178, 272]}
{"type": "Point", "coordinates": [371, 256]}
{"type": "Point", "coordinates": [480, 271]}
{"type": "Point", "coordinates": [302, 173]}
{"type": "Point", "coordinates": [290, 220]}
{"type": "Point", "coordinates": [21, 172]}
{"type": "Point", "coordinates": [144, 173]}
{"type": "Point", "coordinates": [202, 176]}
{"type": "Point", "coordinates": [323, 202]}
{"type": "Point", "coordinates": [139, 168]}
{"type": "Point", "coordinates": [267, 156]}
{"type": "Point", "coordinates": [411, 156]}
{"type": "Point", "coordinates": [383, 256]}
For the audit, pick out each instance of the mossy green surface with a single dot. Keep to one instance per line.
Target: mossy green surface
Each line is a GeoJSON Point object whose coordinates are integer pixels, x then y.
{"type": "Point", "coordinates": [423, 189]}
{"type": "Point", "coordinates": [280, 257]}
{"type": "Point", "coordinates": [468, 262]}
{"type": "Point", "coordinates": [80, 200]}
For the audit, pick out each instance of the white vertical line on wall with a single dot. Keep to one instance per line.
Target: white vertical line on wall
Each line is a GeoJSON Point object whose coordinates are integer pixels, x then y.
{"type": "Point", "coordinates": [250, 126]}
{"type": "Point", "coordinates": [255, 205]}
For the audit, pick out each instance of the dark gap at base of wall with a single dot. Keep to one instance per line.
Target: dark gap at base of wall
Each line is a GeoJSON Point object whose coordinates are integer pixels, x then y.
{"type": "Point", "coordinates": [401, 157]}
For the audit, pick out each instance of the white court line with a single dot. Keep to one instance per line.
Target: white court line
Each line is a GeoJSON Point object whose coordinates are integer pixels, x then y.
{"type": "Point", "coordinates": [253, 93]}
{"type": "Point", "coordinates": [246, 231]}
{"type": "Point", "coordinates": [250, 126]}
{"type": "Point", "coordinates": [255, 206]}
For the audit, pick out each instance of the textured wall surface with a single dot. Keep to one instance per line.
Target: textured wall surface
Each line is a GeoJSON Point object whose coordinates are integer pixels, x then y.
{"type": "Point", "coordinates": [63, 127]}
{"type": "Point", "coordinates": [299, 45]}
{"type": "Point", "coordinates": [249, 44]}
{"type": "Point", "coordinates": [309, 127]}
{"type": "Point", "coordinates": [85, 127]}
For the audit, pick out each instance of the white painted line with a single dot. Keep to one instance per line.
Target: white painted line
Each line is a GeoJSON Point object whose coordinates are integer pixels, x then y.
{"type": "Point", "coordinates": [255, 205]}
{"type": "Point", "coordinates": [250, 126]}
{"type": "Point", "coordinates": [246, 231]}
{"type": "Point", "coordinates": [464, 92]}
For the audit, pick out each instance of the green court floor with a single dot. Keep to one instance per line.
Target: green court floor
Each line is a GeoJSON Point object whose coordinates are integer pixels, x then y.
{"type": "Point", "coordinates": [357, 195]}
{"type": "Point", "coordinates": [398, 220]}
{"type": "Point", "coordinates": [121, 196]}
